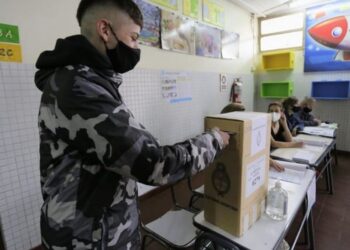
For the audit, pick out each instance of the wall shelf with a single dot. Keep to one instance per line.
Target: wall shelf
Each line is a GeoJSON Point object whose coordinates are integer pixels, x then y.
{"type": "Point", "coordinates": [282, 60]}
{"type": "Point", "coordinates": [281, 89]}
{"type": "Point", "coordinates": [331, 90]}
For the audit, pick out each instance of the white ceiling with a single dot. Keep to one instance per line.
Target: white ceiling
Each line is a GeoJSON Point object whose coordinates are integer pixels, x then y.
{"type": "Point", "coordinates": [264, 8]}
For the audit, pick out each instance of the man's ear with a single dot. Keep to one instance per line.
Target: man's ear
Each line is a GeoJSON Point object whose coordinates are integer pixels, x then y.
{"type": "Point", "coordinates": [103, 30]}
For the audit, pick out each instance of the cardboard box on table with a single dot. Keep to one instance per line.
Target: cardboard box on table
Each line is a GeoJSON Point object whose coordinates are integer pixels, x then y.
{"type": "Point", "coordinates": [236, 182]}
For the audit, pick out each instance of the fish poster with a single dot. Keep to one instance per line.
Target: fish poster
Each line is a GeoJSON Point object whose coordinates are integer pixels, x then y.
{"type": "Point", "coordinates": [177, 33]}
{"type": "Point", "coordinates": [208, 41]}
{"type": "Point", "coordinates": [327, 37]}
{"type": "Point", "coordinates": [150, 33]}
{"type": "Point", "coordinates": [229, 45]}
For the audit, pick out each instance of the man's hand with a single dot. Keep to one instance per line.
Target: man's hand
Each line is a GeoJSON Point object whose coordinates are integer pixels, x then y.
{"type": "Point", "coordinates": [225, 137]}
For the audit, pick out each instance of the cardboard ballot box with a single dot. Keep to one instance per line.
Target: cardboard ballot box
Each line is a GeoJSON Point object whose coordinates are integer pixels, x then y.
{"type": "Point", "coordinates": [236, 182]}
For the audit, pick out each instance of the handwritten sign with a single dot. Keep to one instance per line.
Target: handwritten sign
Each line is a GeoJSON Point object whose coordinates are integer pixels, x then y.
{"type": "Point", "coordinates": [10, 52]}
{"type": "Point", "coordinates": [9, 33]}
{"type": "Point", "coordinates": [176, 87]}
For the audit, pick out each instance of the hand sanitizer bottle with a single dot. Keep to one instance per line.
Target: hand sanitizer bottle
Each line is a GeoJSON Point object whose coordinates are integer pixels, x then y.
{"type": "Point", "coordinates": [277, 202]}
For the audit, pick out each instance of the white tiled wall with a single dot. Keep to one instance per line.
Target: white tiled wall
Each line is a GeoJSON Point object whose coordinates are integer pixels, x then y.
{"type": "Point", "coordinates": [20, 197]}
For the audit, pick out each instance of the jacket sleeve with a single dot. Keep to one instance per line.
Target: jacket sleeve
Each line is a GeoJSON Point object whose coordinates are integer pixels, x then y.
{"type": "Point", "coordinates": [105, 129]}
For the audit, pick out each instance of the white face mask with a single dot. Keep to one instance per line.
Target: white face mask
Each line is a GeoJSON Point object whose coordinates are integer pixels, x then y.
{"type": "Point", "coordinates": [276, 116]}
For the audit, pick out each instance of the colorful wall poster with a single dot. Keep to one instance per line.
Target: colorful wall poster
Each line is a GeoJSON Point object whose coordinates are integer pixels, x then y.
{"type": "Point", "coordinates": [150, 33]}
{"type": "Point", "coordinates": [176, 86]}
{"type": "Point", "coordinates": [177, 33]}
{"type": "Point", "coordinates": [208, 41]}
{"type": "Point", "coordinates": [229, 45]}
{"type": "Point", "coordinates": [191, 8]}
{"type": "Point", "coordinates": [10, 49]}
{"type": "Point", "coordinates": [213, 13]}
{"type": "Point", "coordinates": [327, 37]}
{"type": "Point", "coordinates": [171, 4]}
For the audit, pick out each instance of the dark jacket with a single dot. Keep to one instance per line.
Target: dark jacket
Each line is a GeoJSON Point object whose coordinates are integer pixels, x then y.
{"type": "Point", "coordinates": [307, 118]}
{"type": "Point", "coordinates": [294, 122]}
{"type": "Point", "coordinates": [93, 150]}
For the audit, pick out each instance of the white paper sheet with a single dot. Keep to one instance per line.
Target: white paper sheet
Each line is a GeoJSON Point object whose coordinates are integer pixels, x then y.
{"type": "Point", "coordinates": [311, 195]}
{"type": "Point", "coordinates": [304, 156]}
{"type": "Point", "coordinates": [259, 130]}
{"type": "Point", "coordinates": [255, 175]}
{"type": "Point", "coordinates": [319, 131]}
{"type": "Point", "coordinates": [293, 172]}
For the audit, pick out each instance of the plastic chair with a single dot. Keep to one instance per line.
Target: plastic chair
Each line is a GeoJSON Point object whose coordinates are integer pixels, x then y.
{"type": "Point", "coordinates": [174, 229]}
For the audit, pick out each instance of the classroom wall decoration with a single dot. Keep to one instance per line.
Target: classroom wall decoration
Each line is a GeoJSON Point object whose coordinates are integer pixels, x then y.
{"type": "Point", "coordinates": [150, 33]}
{"type": "Point", "coordinates": [327, 37]}
{"type": "Point", "coordinates": [213, 13]}
{"type": "Point", "coordinates": [10, 49]}
{"type": "Point", "coordinates": [191, 8]}
{"type": "Point", "coordinates": [171, 4]}
{"type": "Point", "coordinates": [208, 41]}
{"type": "Point", "coordinates": [229, 45]}
{"type": "Point", "coordinates": [177, 33]}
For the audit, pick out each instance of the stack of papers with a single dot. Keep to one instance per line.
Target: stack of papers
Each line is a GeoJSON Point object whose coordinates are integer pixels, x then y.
{"type": "Point", "coordinates": [328, 132]}
{"type": "Point", "coordinates": [304, 156]}
{"type": "Point", "coordinates": [293, 172]}
{"type": "Point", "coordinates": [313, 140]}
{"type": "Point", "coordinates": [329, 125]}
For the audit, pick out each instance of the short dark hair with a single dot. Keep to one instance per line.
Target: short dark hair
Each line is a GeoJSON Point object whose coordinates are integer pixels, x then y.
{"type": "Point", "coordinates": [289, 102]}
{"type": "Point", "coordinates": [128, 6]}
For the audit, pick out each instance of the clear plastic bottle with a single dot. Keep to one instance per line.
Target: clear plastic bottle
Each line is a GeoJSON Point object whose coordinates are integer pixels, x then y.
{"type": "Point", "coordinates": [277, 202]}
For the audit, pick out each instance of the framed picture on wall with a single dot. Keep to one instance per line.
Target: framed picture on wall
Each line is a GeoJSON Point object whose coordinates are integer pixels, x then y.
{"type": "Point", "coordinates": [327, 37]}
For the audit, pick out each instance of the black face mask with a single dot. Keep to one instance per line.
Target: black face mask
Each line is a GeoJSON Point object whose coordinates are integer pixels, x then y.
{"type": "Point", "coordinates": [307, 110]}
{"type": "Point", "coordinates": [296, 109]}
{"type": "Point", "coordinates": [123, 57]}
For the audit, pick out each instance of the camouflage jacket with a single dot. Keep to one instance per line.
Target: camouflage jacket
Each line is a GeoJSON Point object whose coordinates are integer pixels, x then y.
{"type": "Point", "coordinates": [92, 152]}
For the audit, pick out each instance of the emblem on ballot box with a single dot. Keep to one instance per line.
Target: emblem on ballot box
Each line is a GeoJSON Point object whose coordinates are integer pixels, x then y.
{"type": "Point", "coordinates": [220, 179]}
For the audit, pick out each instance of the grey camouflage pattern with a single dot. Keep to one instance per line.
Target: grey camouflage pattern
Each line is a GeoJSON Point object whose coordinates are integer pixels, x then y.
{"type": "Point", "coordinates": [92, 152]}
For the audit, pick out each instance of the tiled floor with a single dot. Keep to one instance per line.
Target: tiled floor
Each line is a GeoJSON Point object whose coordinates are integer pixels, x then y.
{"type": "Point", "coordinates": [332, 212]}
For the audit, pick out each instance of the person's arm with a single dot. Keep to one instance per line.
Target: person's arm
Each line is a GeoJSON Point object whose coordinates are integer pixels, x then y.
{"type": "Point", "coordinates": [275, 165]}
{"type": "Point", "coordinates": [99, 126]}
{"type": "Point", "coordinates": [286, 132]}
{"type": "Point", "coordinates": [282, 144]}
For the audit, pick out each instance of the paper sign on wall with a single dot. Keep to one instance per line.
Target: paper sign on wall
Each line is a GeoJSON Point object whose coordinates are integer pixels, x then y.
{"type": "Point", "coordinates": [176, 87]}
{"type": "Point", "coordinates": [258, 141]}
{"type": "Point", "coordinates": [255, 176]}
{"type": "Point", "coordinates": [10, 50]}
{"type": "Point", "coordinates": [223, 82]}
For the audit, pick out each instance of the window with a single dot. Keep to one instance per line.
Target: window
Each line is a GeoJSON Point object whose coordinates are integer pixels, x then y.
{"type": "Point", "coordinates": [282, 32]}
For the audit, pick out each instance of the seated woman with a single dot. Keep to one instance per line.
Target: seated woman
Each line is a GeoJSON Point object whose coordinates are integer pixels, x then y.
{"type": "Point", "coordinates": [305, 113]}
{"type": "Point", "coordinates": [280, 134]}
{"type": "Point", "coordinates": [291, 107]}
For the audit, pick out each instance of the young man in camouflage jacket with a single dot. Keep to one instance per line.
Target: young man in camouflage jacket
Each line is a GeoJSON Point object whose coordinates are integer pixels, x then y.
{"type": "Point", "coordinates": [92, 150]}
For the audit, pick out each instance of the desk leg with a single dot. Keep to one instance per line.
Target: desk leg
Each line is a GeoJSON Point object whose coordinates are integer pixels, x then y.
{"type": "Point", "coordinates": [335, 154]}
{"type": "Point", "coordinates": [330, 170]}
{"type": "Point", "coordinates": [327, 174]}
{"type": "Point", "coordinates": [311, 231]}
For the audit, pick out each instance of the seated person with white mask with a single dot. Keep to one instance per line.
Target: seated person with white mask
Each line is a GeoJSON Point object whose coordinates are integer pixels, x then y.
{"type": "Point", "coordinates": [280, 133]}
